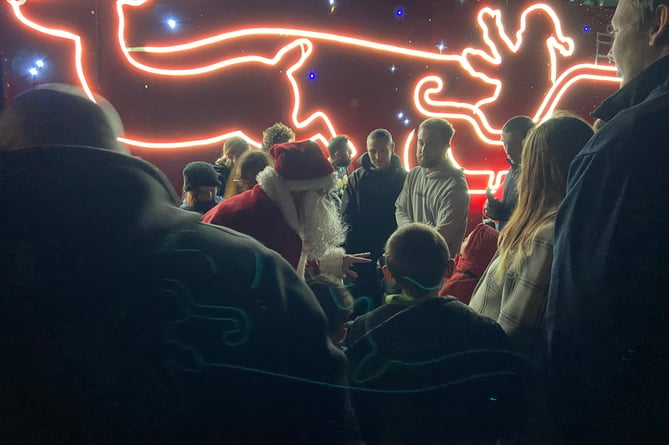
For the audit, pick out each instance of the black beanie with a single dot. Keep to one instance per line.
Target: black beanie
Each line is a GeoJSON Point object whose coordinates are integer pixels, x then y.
{"type": "Point", "coordinates": [200, 174]}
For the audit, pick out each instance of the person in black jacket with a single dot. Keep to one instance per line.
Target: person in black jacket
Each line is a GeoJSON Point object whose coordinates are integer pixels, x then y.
{"type": "Point", "coordinates": [124, 320]}
{"type": "Point", "coordinates": [514, 132]}
{"type": "Point", "coordinates": [369, 208]}
{"type": "Point", "coordinates": [608, 313]}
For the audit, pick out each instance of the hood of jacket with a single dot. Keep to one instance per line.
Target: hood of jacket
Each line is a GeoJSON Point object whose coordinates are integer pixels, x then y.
{"type": "Point", "coordinates": [366, 163]}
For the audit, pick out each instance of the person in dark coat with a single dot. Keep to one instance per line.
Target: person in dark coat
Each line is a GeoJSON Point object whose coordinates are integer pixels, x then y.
{"type": "Point", "coordinates": [514, 132]}
{"type": "Point", "coordinates": [201, 187]}
{"type": "Point", "coordinates": [369, 208]}
{"type": "Point", "coordinates": [124, 320]}
{"type": "Point", "coordinates": [429, 369]}
{"type": "Point", "coordinates": [608, 312]}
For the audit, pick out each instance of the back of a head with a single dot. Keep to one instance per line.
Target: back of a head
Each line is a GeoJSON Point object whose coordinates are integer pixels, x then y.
{"type": "Point", "coordinates": [417, 256]}
{"type": "Point", "coordinates": [337, 143]}
{"type": "Point", "coordinates": [278, 133]}
{"type": "Point", "coordinates": [236, 145]}
{"type": "Point", "coordinates": [199, 174]}
{"type": "Point", "coordinates": [549, 149]}
{"type": "Point", "coordinates": [520, 125]}
{"type": "Point", "coordinates": [335, 300]}
{"type": "Point", "coordinates": [54, 115]}
{"type": "Point", "coordinates": [252, 163]}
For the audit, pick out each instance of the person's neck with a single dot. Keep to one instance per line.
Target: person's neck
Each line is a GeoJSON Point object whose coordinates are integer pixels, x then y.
{"type": "Point", "coordinates": [442, 166]}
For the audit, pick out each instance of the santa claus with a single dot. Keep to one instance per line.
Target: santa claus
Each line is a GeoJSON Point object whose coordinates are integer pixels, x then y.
{"type": "Point", "coordinates": [291, 212]}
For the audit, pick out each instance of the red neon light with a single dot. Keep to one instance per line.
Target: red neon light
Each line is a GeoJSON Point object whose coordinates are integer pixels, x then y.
{"type": "Point", "coordinates": [424, 91]}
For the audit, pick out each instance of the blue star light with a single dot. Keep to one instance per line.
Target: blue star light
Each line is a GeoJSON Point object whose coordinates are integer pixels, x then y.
{"type": "Point", "coordinates": [586, 28]}
{"type": "Point", "coordinates": [399, 12]}
{"type": "Point", "coordinates": [441, 46]}
{"type": "Point", "coordinates": [392, 68]}
{"type": "Point", "coordinates": [312, 75]}
{"type": "Point", "coordinates": [171, 23]}
{"type": "Point", "coordinates": [39, 63]}
{"type": "Point", "coordinates": [33, 71]}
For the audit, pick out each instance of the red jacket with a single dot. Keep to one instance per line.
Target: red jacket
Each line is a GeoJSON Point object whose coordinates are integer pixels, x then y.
{"type": "Point", "coordinates": [478, 250]}
{"type": "Point", "coordinates": [255, 214]}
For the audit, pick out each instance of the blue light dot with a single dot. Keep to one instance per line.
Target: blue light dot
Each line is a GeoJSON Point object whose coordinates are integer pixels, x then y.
{"type": "Point", "coordinates": [332, 2]}
{"type": "Point", "coordinates": [406, 121]}
{"type": "Point", "coordinates": [33, 71]}
{"type": "Point", "coordinates": [312, 75]}
{"type": "Point", "coordinates": [399, 12]}
{"type": "Point", "coordinates": [400, 115]}
{"type": "Point", "coordinates": [172, 23]}
{"type": "Point", "coordinates": [586, 28]}
{"type": "Point", "coordinates": [39, 63]}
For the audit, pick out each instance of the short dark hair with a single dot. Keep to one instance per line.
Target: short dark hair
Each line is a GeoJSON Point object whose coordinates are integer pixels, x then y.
{"type": "Point", "coordinates": [277, 134]}
{"type": "Point", "coordinates": [334, 298]}
{"type": "Point", "coordinates": [417, 256]}
{"type": "Point", "coordinates": [441, 126]}
{"type": "Point", "coordinates": [337, 143]}
{"type": "Point", "coordinates": [381, 133]}
{"type": "Point", "coordinates": [519, 124]}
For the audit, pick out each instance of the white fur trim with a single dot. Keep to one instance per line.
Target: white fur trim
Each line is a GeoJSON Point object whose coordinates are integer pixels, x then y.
{"type": "Point", "coordinates": [278, 191]}
{"type": "Point", "coordinates": [326, 183]}
{"type": "Point", "coordinates": [332, 262]}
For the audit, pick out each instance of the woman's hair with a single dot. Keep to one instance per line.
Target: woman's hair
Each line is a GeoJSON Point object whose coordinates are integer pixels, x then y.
{"type": "Point", "coordinates": [246, 168]}
{"type": "Point", "coordinates": [547, 153]}
{"type": "Point", "coordinates": [235, 145]}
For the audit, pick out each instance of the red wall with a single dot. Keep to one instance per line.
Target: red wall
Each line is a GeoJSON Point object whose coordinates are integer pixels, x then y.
{"type": "Point", "coordinates": [354, 89]}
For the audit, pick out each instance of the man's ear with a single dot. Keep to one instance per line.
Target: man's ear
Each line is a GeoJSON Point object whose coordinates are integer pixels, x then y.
{"type": "Point", "coordinates": [392, 147]}
{"type": "Point", "coordinates": [387, 275]}
{"type": "Point", "coordinates": [660, 24]}
{"type": "Point", "coordinates": [450, 268]}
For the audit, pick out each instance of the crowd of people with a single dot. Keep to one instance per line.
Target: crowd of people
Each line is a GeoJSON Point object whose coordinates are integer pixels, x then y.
{"type": "Point", "coordinates": [284, 299]}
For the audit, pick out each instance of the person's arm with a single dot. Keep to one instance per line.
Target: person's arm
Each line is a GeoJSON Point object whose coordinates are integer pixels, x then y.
{"type": "Point", "coordinates": [524, 305]}
{"type": "Point", "coordinates": [401, 214]}
{"type": "Point", "coordinates": [349, 209]}
{"type": "Point", "coordinates": [451, 217]}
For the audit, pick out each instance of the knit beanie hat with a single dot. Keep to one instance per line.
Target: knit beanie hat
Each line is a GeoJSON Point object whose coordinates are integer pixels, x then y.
{"type": "Point", "coordinates": [303, 166]}
{"type": "Point", "coordinates": [200, 174]}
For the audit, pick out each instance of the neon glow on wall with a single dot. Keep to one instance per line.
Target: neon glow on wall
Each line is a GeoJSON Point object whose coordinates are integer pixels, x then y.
{"type": "Point", "coordinates": [301, 45]}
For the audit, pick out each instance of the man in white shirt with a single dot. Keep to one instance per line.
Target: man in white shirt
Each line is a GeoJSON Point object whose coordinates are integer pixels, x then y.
{"type": "Point", "coordinates": [436, 192]}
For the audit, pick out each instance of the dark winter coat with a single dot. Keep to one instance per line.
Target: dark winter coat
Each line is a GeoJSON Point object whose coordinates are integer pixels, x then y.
{"type": "Point", "coordinates": [509, 196]}
{"type": "Point", "coordinates": [440, 374]}
{"type": "Point", "coordinates": [123, 320]}
{"type": "Point", "coordinates": [369, 205]}
{"type": "Point", "coordinates": [608, 311]}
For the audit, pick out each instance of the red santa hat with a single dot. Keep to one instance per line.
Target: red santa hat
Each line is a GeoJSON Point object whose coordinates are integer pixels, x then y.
{"type": "Point", "coordinates": [303, 166]}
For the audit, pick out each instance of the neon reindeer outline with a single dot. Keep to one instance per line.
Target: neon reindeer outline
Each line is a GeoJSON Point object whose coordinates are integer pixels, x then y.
{"type": "Point", "coordinates": [423, 91]}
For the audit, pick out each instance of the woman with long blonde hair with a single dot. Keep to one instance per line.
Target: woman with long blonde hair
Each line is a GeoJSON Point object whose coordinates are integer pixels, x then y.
{"type": "Point", "coordinates": [513, 289]}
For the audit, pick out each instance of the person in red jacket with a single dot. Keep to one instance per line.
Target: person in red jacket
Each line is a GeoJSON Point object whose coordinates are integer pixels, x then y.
{"type": "Point", "coordinates": [477, 250]}
{"type": "Point", "coordinates": [290, 210]}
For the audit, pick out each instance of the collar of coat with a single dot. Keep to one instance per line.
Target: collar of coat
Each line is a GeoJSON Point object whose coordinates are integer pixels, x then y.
{"type": "Point", "coordinates": [636, 91]}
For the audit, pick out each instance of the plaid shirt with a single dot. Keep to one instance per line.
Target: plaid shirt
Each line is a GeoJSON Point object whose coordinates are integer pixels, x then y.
{"type": "Point", "coordinates": [521, 299]}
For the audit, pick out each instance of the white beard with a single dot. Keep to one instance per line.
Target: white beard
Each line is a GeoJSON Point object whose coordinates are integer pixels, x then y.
{"type": "Point", "coordinates": [321, 228]}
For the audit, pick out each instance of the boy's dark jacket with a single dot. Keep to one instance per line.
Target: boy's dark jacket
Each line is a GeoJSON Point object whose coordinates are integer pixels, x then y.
{"type": "Point", "coordinates": [443, 371]}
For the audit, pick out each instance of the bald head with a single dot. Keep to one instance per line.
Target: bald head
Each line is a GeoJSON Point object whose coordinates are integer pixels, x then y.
{"type": "Point", "coordinates": [59, 115]}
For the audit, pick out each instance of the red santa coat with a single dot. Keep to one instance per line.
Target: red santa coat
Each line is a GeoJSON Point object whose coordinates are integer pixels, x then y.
{"type": "Point", "coordinates": [255, 214]}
